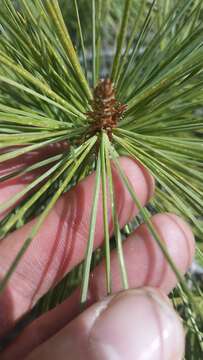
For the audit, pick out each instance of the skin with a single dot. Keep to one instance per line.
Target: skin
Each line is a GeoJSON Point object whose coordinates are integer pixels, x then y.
{"type": "Point", "coordinates": [139, 323]}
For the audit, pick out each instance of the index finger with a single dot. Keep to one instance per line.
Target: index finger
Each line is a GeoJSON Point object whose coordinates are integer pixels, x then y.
{"type": "Point", "coordinates": [61, 242]}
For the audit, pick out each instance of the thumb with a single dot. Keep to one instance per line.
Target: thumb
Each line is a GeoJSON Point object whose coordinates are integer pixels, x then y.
{"type": "Point", "coordinates": [135, 324]}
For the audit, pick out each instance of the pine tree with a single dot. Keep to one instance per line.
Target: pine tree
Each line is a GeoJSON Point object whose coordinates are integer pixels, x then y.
{"type": "Point", "coordinates": [143, 100]}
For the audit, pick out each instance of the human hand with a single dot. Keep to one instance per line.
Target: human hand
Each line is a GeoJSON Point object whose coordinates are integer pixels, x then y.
{"type": "Point", "coordinates": [136, 324]}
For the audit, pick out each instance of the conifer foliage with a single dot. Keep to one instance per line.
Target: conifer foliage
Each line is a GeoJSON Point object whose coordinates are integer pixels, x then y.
{"type": "Point", "coordinates": [59, 87]}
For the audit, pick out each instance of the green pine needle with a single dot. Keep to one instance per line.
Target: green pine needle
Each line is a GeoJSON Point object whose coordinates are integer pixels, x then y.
{"type": "Point", "coordinates": [149, 107]}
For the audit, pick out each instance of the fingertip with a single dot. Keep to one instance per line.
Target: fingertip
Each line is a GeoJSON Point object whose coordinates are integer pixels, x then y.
{"type": "Point", "coordinates": [187, 230]}
{"type": "Point", "coordinates": [135, 324]}
{"type": "Point", "coordinates": [145, 262]}
{"type": "Point", "coordinates": [138, 324]}
{"type": "Point", "coordinates": [178, 236]}
{"type": "Point", "coordinates": [137, 172]}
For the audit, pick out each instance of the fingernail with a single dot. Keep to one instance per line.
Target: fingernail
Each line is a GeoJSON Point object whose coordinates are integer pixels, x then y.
{"type": "Point", "coordinates": [137, 324]}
